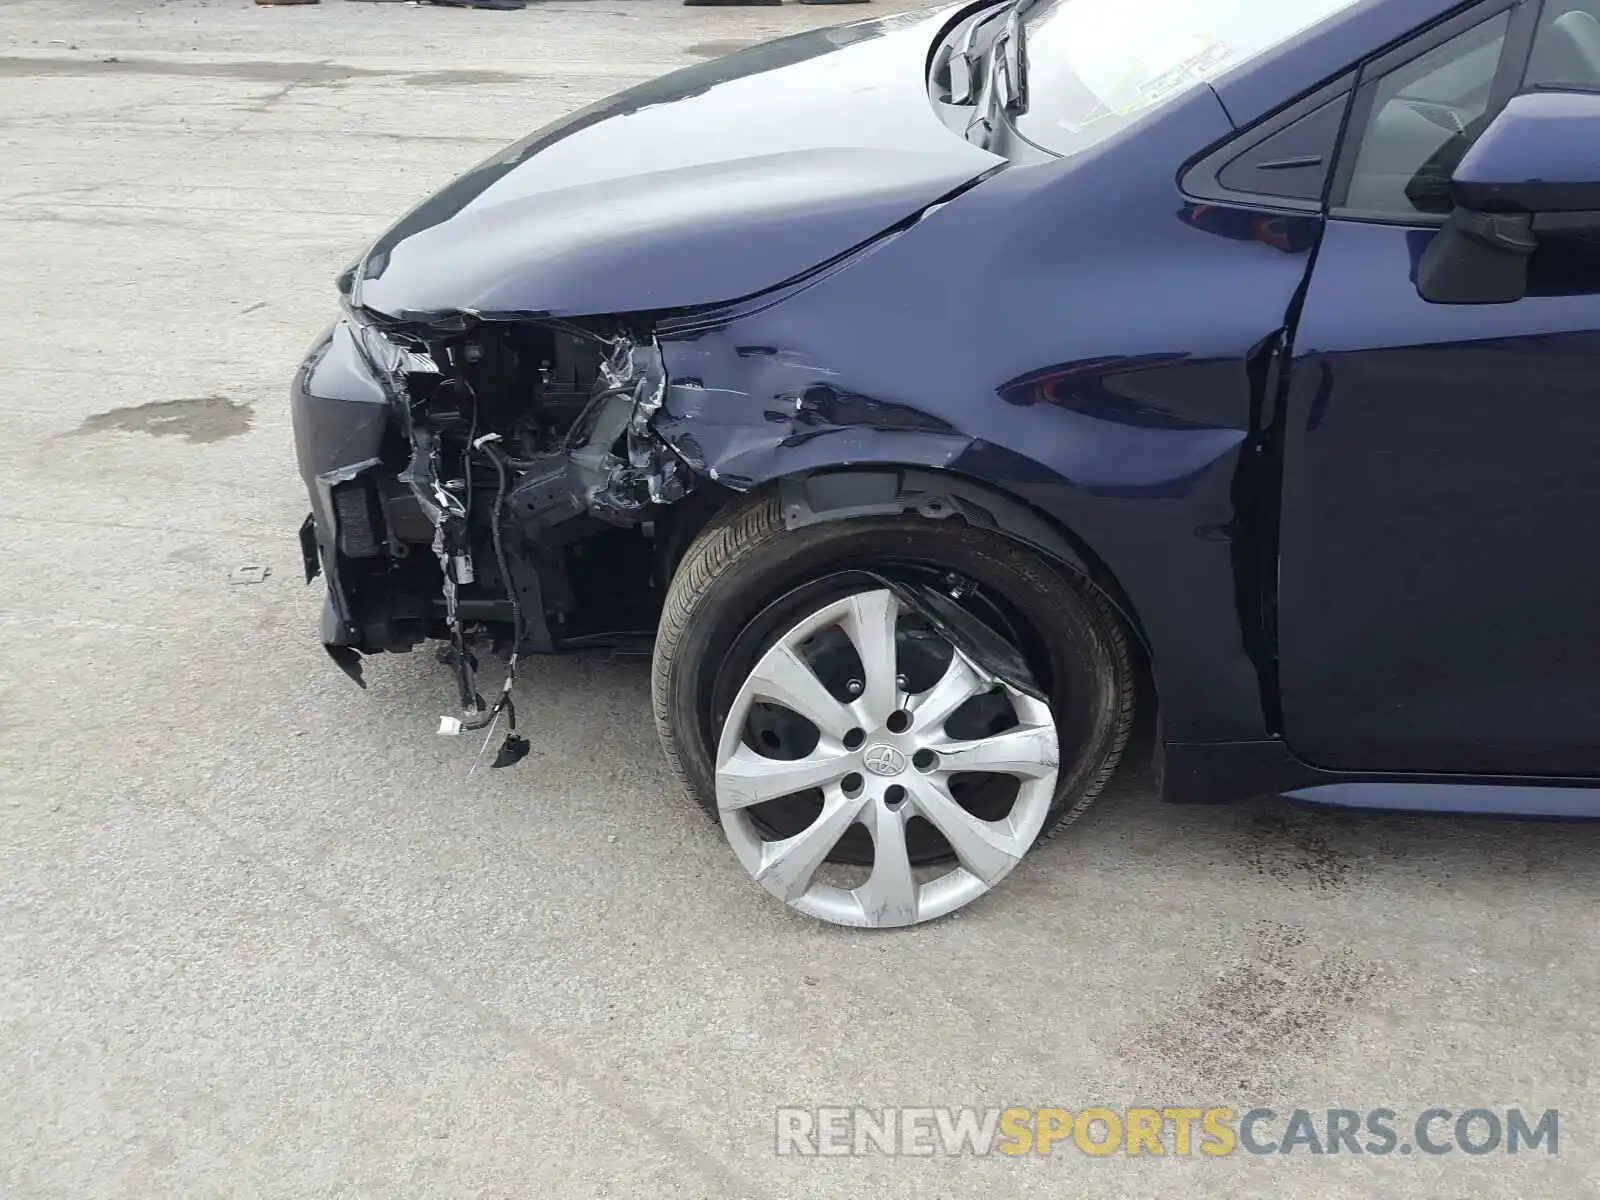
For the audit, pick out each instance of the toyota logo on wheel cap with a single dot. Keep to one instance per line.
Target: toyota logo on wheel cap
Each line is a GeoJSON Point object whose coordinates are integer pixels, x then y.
{"type": "Point", "coordinates": [884, 760]}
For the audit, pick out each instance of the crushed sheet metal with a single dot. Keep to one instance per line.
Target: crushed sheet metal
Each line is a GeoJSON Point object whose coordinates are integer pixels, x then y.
{"type": "Point", "coordinates": [652, 473]}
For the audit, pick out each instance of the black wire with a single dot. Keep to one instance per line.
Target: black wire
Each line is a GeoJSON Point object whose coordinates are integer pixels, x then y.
{"type": "Point", "coordinates": [597, 398]}
{"type": "Point", "coordinates": [577, 331]}
{"type": "Point", "coordinates": [500, 459]}
{"type": "Point", "coordinates": [466, 458]}
{"type": "Point", "coordinates": [517, 625]}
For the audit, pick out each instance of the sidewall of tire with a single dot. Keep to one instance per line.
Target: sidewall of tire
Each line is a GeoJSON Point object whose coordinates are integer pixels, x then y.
{"type": "Point", "coordinates": [744, 562]}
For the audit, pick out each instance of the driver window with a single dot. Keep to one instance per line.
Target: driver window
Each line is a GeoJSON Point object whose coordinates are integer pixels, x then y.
{"type": "Point", "coordinates": [1566, 48]}
{"type": "Point", "coordinates": [1424, 116]}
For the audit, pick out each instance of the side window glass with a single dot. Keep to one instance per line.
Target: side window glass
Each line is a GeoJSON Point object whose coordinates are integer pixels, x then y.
{"type": "Point", "coordinates": [1292, 163]}
{"type": "Point", "coordinates": [1566, 55]}
{"type": "Point", "coordinates": [1423, 117]}
{"type": "Point", "coordinates": [1566, 47]}
{"type": "Point", "coordinates": [1283, 162]}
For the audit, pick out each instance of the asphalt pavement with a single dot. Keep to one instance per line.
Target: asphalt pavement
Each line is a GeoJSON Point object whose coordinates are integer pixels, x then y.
{"type": "Point", "coordinates": [260, 933]}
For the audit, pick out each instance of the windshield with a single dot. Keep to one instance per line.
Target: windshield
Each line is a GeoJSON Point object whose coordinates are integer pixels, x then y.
{"type": "Point", "coordinates": [1096, 65]}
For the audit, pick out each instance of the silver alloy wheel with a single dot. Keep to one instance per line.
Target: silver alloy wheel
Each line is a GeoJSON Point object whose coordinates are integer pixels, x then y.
{"type": "Point", "coordinates": [892, 750]}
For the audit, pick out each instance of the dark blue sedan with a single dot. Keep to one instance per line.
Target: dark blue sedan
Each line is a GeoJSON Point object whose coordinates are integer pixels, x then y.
{"type": "Point", "coordinates": [933, 396]}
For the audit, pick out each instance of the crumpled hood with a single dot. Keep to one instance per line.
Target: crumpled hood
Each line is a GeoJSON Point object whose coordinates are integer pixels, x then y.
{"type": "Point", "coordinates": [705, 185]}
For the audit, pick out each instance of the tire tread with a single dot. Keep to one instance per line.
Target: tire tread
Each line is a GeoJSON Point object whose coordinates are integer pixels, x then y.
{"type": "Point", "coordinates": [737, 529]}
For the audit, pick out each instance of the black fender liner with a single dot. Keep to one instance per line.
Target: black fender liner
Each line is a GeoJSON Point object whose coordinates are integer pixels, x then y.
{"type": "Point", "coordinates": [837, 495]}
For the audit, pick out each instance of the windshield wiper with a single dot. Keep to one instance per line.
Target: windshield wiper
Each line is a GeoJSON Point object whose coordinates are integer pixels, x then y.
{"type": "Point", "coordinates": [1005, 84]}
{"type": "Point", "coordinates": [958, 61]}
{"type": "Point", "coordinates": [1009, 64]}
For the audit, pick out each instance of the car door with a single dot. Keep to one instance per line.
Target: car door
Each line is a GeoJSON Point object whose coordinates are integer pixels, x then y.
{"type": "Point", "coordinates": [1439, 569]}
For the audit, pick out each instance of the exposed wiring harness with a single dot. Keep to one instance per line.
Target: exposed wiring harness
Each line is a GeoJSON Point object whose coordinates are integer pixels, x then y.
{"type": "Point", "coordinates": [515, 747]}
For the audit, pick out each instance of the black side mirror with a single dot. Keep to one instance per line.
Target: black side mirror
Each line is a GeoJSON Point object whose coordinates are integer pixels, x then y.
{"type": "Point", "coordinates": [1535, 170]}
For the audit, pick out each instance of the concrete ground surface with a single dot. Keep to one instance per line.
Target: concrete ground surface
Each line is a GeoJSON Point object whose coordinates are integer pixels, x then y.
{"type": "Point", "coordinates": [261, 936]}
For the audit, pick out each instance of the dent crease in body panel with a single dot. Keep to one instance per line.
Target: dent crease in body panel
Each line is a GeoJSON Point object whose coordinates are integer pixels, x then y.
{"type": "Point", "coordinates": [1131, 453]}
{"type": "Point", "coordinates": [780, 417]}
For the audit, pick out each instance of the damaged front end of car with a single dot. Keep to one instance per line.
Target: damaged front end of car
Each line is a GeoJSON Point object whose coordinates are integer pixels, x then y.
{"type": "Point", "coordinates": [488, 483]}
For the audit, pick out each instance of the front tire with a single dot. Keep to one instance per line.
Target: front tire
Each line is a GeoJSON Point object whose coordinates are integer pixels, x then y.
{"type": "Point", "coordinates": [752, 601]}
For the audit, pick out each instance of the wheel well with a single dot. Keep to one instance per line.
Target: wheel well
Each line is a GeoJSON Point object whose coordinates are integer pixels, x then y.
{"type": "Point", "coordinates": [937, 495]}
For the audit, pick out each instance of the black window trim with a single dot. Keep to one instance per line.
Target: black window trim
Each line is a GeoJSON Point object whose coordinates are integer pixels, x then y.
{"type": "Point", "coordinates": [1199, 180]}
{"type": "Point", "coordinates": [1522, 25]}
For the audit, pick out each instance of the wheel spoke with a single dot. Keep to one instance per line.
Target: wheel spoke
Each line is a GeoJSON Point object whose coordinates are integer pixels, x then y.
{"type": "Point", "coordinates": [894, 892]}
{"type": "Point", "coordinates": [749, 778]}
{"type": "Point", "coordinates": [1029, 751]}
{"type": "Point", "coordinates": [889, 896]}
{"type": "Point", "coordinates": [956, 686]}
{"type": "Point", "coordinates": [787, 866]}
{"type": "Point", "coordinates": [784, 678]}
{"type": "Point", "coordinates": [870, 625]}
{"type": "Point", "coordinates": [985, 848]}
